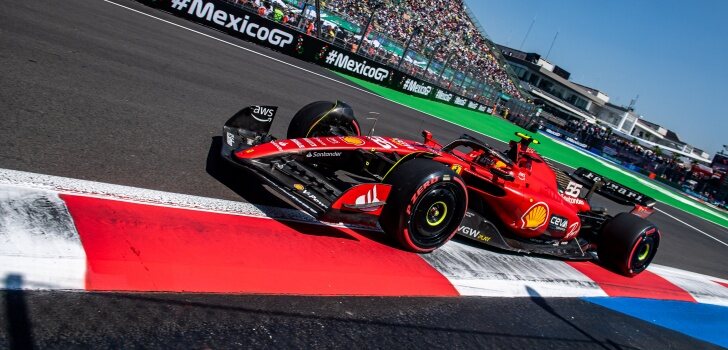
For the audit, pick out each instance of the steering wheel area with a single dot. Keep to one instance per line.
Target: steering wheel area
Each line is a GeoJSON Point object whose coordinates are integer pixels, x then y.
{"type": "Point", "coordinates": [496, 162]}
{"type": "Point", "coordinates": [527, 138]}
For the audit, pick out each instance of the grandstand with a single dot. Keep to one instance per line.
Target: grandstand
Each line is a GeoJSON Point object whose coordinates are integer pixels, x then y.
{"type": "Point", "coordinates": [441, 41]}
{"type": "Point", "coordinates": [464, 57]}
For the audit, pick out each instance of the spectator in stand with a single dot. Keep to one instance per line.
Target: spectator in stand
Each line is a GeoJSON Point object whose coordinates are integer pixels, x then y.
{"type": "Point", "coordinates": [278, 14]}
{"type": "Point", "coordinates": [309, 27]}
{"type": "Point", "coordinates": [287, 17]}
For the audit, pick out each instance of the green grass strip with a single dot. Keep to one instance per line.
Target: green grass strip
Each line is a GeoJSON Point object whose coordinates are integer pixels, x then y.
{"type": "Point", "coordinates": [501, 129]}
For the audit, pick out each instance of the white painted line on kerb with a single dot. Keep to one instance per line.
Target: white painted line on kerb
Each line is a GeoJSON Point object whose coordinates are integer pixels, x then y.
{"type": "Point", "coordinates": [39, 245]}
{"type": "Point", "coordinates": [309, 71]}
{"type": "Point", "coordinates": [44, 251]}
{"type": "Point", "coordinates": [15, 179]}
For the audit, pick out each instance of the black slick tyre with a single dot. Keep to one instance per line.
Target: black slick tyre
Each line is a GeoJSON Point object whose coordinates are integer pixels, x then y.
{"type": "Point", "coordinates": [323, 118]}
{"type": "Point", "coordinates": [628, 244]}
{"type": "Point", "coordinates": [425, 206]}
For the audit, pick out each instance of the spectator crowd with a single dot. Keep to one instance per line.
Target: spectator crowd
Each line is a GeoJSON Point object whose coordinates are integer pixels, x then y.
{"type": "Point", "coordinates": [441, 31]}
{"type": "Point", "coordinates": [440, 25]}
{"type": "Point", "coordinates": [699, 179]}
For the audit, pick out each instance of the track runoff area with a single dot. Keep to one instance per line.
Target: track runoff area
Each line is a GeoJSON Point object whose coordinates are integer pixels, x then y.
{"type": "Point", "coordinates": [136, 99]}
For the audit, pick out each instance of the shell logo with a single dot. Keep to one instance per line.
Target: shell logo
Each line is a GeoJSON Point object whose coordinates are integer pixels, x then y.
{"type": "Point", "coordinates": [535, 216]}
{"type": "Point", "coordinates": [298, 187]}
{"type": "Point", "coordinates": [400, 142]}
{"type": "Point", "coordinates": [353, 140]}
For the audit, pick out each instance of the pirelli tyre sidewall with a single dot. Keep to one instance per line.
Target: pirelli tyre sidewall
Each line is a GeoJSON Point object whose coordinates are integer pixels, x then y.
{"type": "Point", "coordinates": [628, 243]}
{"type": "Point", "coordinates": [426, 205]}
{"type": "Point", "coordinates": [324, 118]}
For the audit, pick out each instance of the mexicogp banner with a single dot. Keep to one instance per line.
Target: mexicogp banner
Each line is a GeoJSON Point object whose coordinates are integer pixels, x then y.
{"type": "Point", "coordinates": [248, 26]}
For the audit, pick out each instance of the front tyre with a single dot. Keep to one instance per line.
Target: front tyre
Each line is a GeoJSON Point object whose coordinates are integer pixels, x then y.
{"type": "Point", "coordinates": [628, 244]}
{"type": "Point", "coordinates": [323, 118]}
{"type": "Point", "coordinates": [426, 205]}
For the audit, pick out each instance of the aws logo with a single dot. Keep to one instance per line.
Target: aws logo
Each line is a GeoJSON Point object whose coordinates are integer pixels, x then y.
{"type": "Point", "coordinates": [263, 114]}
{"type": "Point", "coordinates": [535, 217]}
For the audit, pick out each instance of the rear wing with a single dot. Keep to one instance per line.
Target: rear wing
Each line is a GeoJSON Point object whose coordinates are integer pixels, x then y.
{"type": "Point", "coordinates": [643, 205]}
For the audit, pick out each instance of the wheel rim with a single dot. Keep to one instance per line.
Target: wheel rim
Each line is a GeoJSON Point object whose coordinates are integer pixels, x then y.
{"type": "Point", "coordinates": [437, 213]}
{"type": "Point", "coordinates": [432, 219]}
{"type": "Point", "coordinates": [644, 251]}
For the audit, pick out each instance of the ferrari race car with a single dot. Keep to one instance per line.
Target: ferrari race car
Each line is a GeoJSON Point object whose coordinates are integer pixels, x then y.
{"type": "Point", "coordinates": [423, 193]}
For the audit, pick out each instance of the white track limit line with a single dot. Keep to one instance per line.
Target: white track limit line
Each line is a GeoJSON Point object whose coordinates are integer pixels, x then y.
{"type": "Point", "coordinates": [692, 227]}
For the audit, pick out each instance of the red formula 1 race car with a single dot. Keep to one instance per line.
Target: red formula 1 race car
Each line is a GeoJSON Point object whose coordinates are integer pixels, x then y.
{"type": "Point", "coordinates": [423, 193]}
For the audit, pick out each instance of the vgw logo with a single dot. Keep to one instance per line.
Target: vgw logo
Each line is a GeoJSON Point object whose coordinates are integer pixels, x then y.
{"type": "Point", "coordinates": [207, 10]}
{"type": "Point", "coordinates": [469, 231]}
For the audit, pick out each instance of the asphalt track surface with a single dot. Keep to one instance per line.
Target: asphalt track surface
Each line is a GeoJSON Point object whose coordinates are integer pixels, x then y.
{"type": "Point", "coordinates": [123, 321]}
{"type": "Point", "coordinates": [92, 91]}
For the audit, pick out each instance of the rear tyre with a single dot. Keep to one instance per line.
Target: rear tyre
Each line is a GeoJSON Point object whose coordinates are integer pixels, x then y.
{"type": "Point", "coordinates": [324, 118]}
{"type": "Point", "coordinates": [426, 205]}
{"type": "Point", "coordinates": [628, 244]}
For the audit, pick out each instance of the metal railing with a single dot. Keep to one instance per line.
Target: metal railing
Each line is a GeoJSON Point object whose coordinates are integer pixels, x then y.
{"type": "Point", "coordinates": [381, 48]}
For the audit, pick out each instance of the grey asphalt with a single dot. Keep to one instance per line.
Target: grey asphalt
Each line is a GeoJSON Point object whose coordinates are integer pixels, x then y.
{"type": "Point", "coordinates": [186, 321]}
{"type": "Point", "coordinates": [92, 91]}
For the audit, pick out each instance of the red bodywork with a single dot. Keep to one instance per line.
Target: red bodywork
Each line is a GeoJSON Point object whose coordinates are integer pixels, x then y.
{"type": "Point", "coordinates": [530, 205]}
